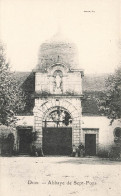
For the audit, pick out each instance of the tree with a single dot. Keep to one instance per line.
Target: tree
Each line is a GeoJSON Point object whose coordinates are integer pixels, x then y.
{"type": "Point", "coordinates": [110, 104]}
{"type": "Point", "coordinates": [11, 94]}
{"type": "Point", "coordinates": [5, 141]}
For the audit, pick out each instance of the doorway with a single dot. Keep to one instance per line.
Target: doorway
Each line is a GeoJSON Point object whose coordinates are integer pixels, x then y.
{"type": "Point", "coordinates": [24, 140]}
{"type": "Point", "coordinates": [57, 141]}
{"type": "Point", "coordinates": [90, 144]}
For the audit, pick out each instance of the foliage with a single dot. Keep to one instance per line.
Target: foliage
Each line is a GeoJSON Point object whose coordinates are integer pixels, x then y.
{"type": "Point", "coordinates": [67, 119]}
{"type": "Point", "coordinates": [6, 140]}
{"type": "Point", "coordinates": [4, 132]}
{"type": "Point", "coordinates": [110, 104]}
{"type": "Point", "coordinates": [88, 102]}
{"type": "Point", "coordinates": [70, 92]}
{"type": "Point", "coordinates": [11, 95]}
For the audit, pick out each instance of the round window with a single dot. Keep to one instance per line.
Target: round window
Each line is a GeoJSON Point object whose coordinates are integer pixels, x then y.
{"type": "Point", "coordinates": [117, 132]}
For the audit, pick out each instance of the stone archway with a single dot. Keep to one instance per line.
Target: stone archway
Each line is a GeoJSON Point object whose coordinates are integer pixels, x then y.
{"type": "Point", "coordinates": [42, 107]}
{"type": "Point", "coordinates": [57, 116]}
{"type": "Point", "coordinates": [57, 132]}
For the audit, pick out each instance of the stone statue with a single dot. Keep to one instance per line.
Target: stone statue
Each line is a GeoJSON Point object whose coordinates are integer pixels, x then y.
{"type": "Point", "coordinates": [58, 83]}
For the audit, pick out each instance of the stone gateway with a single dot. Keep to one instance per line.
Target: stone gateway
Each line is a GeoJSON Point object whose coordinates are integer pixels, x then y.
{"type": "Point", "coordinates": [57, 110]}
{"type": "Point", "coordinates": [57, 122]}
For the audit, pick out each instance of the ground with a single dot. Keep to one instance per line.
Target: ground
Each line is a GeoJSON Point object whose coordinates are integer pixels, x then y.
{"type": "Point", "coordinates": [58, 176]}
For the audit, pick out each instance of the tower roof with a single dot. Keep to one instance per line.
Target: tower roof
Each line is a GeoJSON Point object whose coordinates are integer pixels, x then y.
{"type": "Point", "coordinates": [59, 37]}
{"type": "Point", "coordinates": [56, 50]}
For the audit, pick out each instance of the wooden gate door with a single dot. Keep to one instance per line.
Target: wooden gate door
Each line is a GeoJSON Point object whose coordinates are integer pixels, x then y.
{"type": "Point", "coordinates": [57, 141]}
{"type": "Point", "coordinates": [90, 144]}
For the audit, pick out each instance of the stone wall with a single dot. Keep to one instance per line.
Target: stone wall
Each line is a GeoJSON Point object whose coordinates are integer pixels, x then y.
{"type": "Point", "coordinates": [51, 53]}
{"type": "Point", "coordinates": [71, 83]}
{"type": "Point", "coordinates": [82, 125]}
{"type": "Point", "coordinates": [106, 131]}
{"type": "Point", "coordinates": [72, 105]}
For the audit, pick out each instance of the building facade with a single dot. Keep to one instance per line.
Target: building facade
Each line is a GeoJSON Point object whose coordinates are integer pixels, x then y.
{"type": "Point", "coordinates": [57, 113]}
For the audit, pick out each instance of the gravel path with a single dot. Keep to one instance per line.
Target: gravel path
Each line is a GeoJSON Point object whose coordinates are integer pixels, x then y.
{"type": "Point", "coordinates": [58, 176]}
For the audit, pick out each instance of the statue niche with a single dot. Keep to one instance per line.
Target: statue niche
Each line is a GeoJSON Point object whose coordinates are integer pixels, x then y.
{"type": "Point", "coordinates": [58, 81]}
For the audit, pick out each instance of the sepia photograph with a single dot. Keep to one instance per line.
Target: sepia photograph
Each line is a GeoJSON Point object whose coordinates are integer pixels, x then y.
{"type": "Point", "coordinates": [60, 97]}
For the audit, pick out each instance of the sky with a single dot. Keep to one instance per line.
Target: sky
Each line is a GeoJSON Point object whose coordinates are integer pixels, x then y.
{"type": "Point", "coordinates": [92, 25]}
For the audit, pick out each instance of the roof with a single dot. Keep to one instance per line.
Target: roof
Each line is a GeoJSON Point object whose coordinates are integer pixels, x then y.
{"type": "Point", "coordinates": [57, 49]}
{"type": "Point", "coordinates": [93, 87]}
{"type": "Point", "coordinates": [94, 82]}
{"type": "Point", "coordinates": [90, 82]}
{"type": "Point", "coordinates": [59, 37]}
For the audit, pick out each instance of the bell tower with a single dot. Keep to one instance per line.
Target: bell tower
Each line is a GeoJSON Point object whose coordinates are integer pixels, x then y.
{"type": "Point", "coordinates": [58, 94]}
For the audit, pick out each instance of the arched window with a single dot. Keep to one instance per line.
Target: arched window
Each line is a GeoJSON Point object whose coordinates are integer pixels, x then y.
{"type": "Point", "coordinates": [58, 118]}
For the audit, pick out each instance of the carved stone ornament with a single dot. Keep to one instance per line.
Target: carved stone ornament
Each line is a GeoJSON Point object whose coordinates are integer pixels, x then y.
{"type": "Point", "coordinates": [58, 82]}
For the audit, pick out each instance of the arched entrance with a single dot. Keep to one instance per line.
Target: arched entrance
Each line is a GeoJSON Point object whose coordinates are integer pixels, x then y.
{"type": "Point", "coordinates": [57, 132]}
{"type": "Point", "coordinates": [51, 117]}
